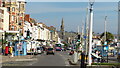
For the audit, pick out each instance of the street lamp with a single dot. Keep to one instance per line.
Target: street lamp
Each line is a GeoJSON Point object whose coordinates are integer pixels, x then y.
{"type": "Point", "coordinates": [2, 44]}
{"type": "Point", "coordinates": [91, 2]}
{"type": "Point", "coordinates": [18, 43]}
{"type": "Point", "coordinates": [2, 39]}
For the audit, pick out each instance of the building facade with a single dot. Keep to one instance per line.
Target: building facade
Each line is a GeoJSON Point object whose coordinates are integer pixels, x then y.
{"type": "Point", "coordinates": [16, 11]}
{"type": "Point", "coordinates": [4, 19]}
{"type": "Point", "coordinates": [11, 6]}
{"type": "Point", "coordinates": [21, 15]}
{"type": "Point", "coordinates": [0, 3]}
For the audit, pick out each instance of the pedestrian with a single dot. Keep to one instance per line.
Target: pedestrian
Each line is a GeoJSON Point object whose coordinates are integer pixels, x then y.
{"type": "Point", "coordinates": [99, 54]}
{"type": "Point", "coordinates": [11, 51]}
{"type": "Point", "coordinates": [79, 53]}
{"type": "Point", "coordinates": [75, 57]}
{"type": "Point", "coordinates": [6, 50]}
{"type": "Point", "coordinates": [3, 50]}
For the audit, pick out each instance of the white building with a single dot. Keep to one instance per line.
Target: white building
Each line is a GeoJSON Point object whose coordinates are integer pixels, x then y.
{"type": "Point", "coordinates": [34, 32]}
{"type": "Point", "coordinates": [4, 19]}
{"type": "Point", "coordinates": [27, 26]}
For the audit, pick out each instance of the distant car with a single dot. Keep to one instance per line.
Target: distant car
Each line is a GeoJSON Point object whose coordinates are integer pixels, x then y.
{"type": "Point", "coordinates": [118, 57]}
{"type": "Point", "coordinates": [71, 52]}
{"type": "Point", "coordinates": [50, 51]}
{"type": "Point", "coordinates": [39, 50]}
{"type": "Point", "coordinates": [69, 48]}
{"type": "Point", "coordinates": [58, 49]}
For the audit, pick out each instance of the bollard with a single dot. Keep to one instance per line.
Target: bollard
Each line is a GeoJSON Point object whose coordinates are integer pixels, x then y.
{"type": "Point", "coordinates": [83, 65]}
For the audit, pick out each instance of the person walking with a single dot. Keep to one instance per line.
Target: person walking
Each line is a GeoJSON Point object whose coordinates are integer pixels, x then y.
{"type": "Point", "coordinates": [75, 57]}
{"type": "Point", "coordinates": [6, 50]}
{"type": "Point", "coordinates": [11, 51]}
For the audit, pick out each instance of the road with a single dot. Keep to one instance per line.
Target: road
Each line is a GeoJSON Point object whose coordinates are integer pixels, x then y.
{"type": "Point", "coordinates": [112, 59]}
{"type": "Point", "coordinates": [59, 59]}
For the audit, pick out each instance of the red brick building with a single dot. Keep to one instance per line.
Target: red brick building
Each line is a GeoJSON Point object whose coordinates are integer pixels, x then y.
{"type": "Point", "coordinates": [0, 3]}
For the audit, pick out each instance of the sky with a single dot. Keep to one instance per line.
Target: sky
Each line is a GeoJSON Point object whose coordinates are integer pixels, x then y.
{"type": "Point", "coordinates": [74, 14]}
{"type": "Point", "coordinates": [70, 0]}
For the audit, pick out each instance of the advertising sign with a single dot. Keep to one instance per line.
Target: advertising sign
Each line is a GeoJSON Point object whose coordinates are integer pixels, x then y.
{"type": "Point", "coordinates": [19, 47]}
{"type": "Point", "coordinates": [106, 48]}
{"type": "Point", "coordinates": [105, 43]}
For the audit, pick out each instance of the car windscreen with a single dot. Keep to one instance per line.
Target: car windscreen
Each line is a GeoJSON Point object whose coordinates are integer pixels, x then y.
{"type": "Point", "coordinates": [50, 49]}
{"type": "Point", "coordinates": [38, 48]}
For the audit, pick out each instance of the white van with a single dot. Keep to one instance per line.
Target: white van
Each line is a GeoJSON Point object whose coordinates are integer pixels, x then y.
{"type": "Point", "coordinates": [31, 47]}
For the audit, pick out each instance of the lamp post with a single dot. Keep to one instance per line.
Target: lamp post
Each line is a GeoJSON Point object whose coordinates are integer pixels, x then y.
{"type": "Point", "coordinates": [18, 44]}
{"type": "Point", "coordinates": [105, 43]}
{"type": "Point", "coordinates": [86, 34]}
{"type": "Point", "coordinates": [2, 39]}
{"type": "Point", "coordinates": [2, 45]}
{"type": "Point", "coordinates": [90, 32]}
{"type": "Point", "coordinates": [105, 28]}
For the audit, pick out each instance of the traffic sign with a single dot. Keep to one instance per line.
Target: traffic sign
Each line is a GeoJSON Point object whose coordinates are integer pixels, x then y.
{"type": "Point", "coordinates": [85, 37]}
{"type": "Point", "coordinates": [105, 43]}
{"type": "Point", "coordinates": [106, 48]}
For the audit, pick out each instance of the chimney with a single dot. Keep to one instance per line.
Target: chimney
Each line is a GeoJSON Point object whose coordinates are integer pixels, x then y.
{"type": "Point", "coordinates": [27, 17]}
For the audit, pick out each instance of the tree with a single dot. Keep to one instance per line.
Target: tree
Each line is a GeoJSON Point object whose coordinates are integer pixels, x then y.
{"type": "Point", "coordinates": [109, 36]}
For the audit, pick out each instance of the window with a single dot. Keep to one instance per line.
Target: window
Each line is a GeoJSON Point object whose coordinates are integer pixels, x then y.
{"type": "Point", "coordinates": [8, 9]}
{"type": "Point", "coordinates": [22, 7]}
{"type": "Point", "coordinates": [2, 11]}
{"type": "Point", "coordinates": [13, 9]}
{"type": "Point", "coordinates": [13, 17]}
{"type": "Point", "coordinates": [2, 20]}
{"type": "Point", "coordinates": [12, 27]}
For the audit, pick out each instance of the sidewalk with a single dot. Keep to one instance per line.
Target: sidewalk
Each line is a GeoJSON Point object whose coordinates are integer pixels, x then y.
{"type": "Point", "coordinates": [15, 58]}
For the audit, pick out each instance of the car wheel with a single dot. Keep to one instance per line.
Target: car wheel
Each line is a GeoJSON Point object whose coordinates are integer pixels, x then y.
{"type": "Point", "coordinates": [53, 54]}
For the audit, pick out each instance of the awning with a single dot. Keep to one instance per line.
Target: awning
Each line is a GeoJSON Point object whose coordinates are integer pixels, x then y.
{"type": "Point", "coordinates": [1, 31]}
{"type": "Point", "coordinates": [9, 31]}
{"type": "Point", "coordinates": [12, 31]}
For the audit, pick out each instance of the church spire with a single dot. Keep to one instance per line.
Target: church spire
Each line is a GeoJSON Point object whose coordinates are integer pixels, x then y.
{"type": "Point", "coordinates": [62, 29]}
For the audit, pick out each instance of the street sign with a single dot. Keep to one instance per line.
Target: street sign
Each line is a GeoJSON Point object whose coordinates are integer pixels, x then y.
{"type": "Point", "coordinates": [85, 37]}
{"type": "Point", "coordinates": [106, 48]}
{"type": "Point", "coordinates": [105, 43]}
{"type": "Point", "coordinates": [78, 40]}
{"type": "Point", "coordinates": [19, 47]}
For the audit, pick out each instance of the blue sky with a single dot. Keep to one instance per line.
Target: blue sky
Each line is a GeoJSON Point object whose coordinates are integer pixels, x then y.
{"type": "Point", "coordinates": [74, 13]}
{"type": "Point", "coordinates": [70, 0]}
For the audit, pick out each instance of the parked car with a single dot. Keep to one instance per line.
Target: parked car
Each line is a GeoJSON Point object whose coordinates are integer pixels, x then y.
{"type": "Point", "coordinates": [118, 57]}
{"type": "Point", "coordinates": [71, 52]}
{"type": "Point", "coordinates": [39, 50]}
{"type": "Point", "coordinates": [31, 49]}
{"type": "Point", "coordinates": [50, 51]}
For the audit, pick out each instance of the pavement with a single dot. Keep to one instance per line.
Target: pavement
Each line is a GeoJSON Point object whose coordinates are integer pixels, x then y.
{"type": "Point", "coordinates": [59, 59]}
{"type": "Point", "coordinates": [16, 58]}
{"type": "Point", "coordinates": [112, 59]}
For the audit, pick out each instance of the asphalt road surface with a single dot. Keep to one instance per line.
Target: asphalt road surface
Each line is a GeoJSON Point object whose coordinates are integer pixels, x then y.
{"type": "Point", "coordinates": [59, 59]}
